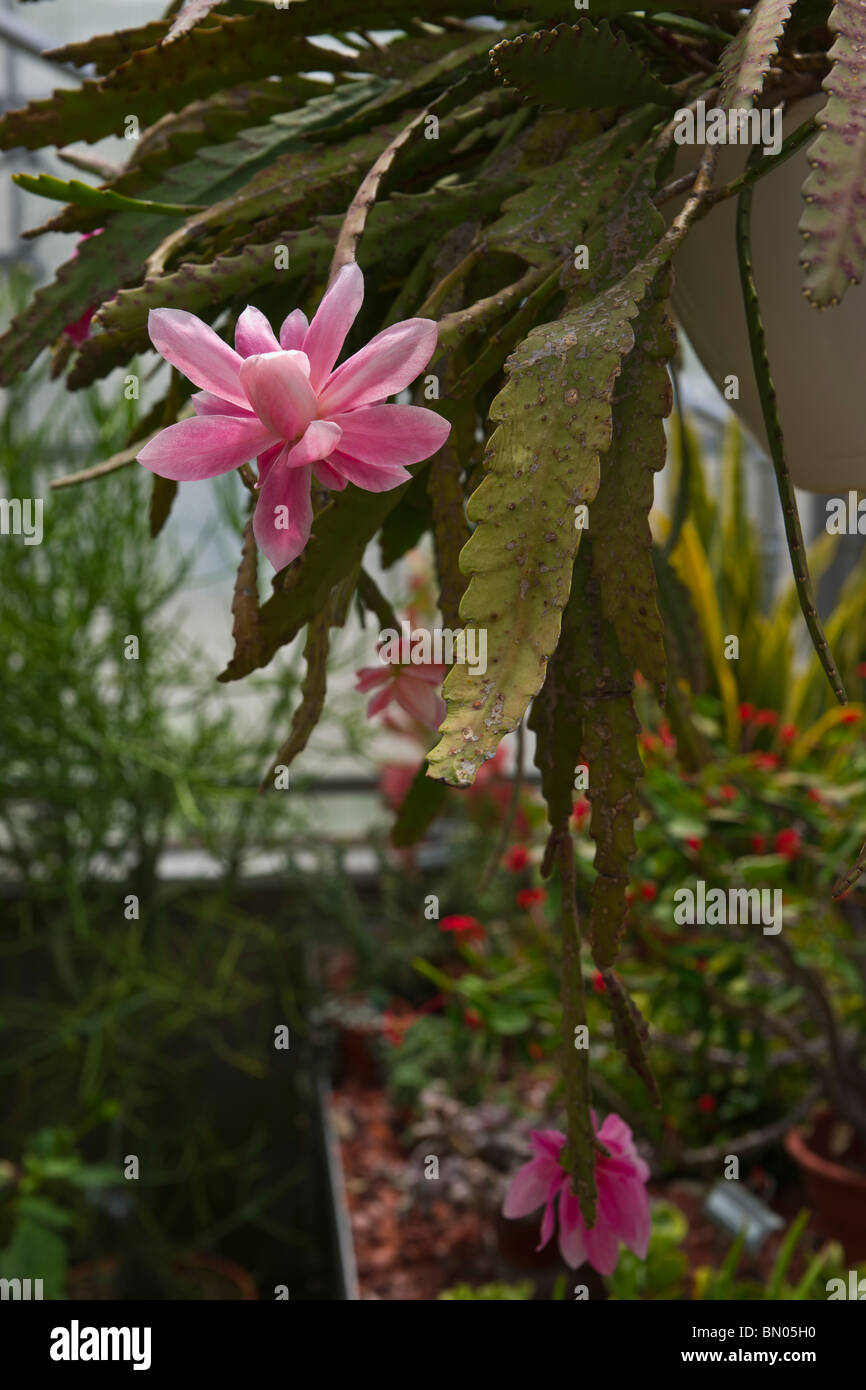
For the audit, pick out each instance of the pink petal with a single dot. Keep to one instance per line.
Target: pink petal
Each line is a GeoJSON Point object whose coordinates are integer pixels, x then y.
{"type": "Point", "coordinates": [420, 700]}
{"type": "Point", "coordinates": [198, 352]}
{"type": "Point", "coordinates": [549, 1142]}
{"type": "Point", "coordinates": [294, 330]}
{"type": "Point", "coordinates": [387, 364]}
{"type": "Point", "coordinates": [205, 403]}
{"type": "Point", "coordinates": [381, 701]}
{"type": "Point", "coordinates": [328, 476]}
{"type": "Point", "coordinates": [253, 333]}
{"type": "Point", "coordinates": [529, 1189]}
{"type": "Point", "coordinates": [571, 1230]}
{"type": "Point", "coordinates": [368, 677]}
{"type": "Point", "coordinates": [277, 385]}
{"type": "Point", "coordinates": [205, 446]}
{"type": "Point", "coordinates": [283, 536]}
{"type": "Point", "coordinates": [391, 434]}
{"type": "Point", "coordinates": [367, 475]}
{"type": "Point", "coordinates": [625, 1208]}
{"type": "Point", "coordinates": [332, 321]}
{"type": "Point", "coordinates": [602, 1247]}
{"type": "Point", "coordinates": [433, 672]}
{"type": "Point", "coordinates": [319, 440]}
{"type": "Point", "coordinates": [266, 461]}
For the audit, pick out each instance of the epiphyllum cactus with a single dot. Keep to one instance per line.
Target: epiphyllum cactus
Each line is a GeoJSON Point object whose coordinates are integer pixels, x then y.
{"type": "Point", "coordinates": [513, 187]}
{"type": "Point", "coordinates": [283, 402]}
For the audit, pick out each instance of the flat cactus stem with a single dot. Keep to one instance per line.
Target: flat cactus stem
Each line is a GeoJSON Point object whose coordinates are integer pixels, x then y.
{"type": "Point", "coordinates": [579, 1152]}
{"type": "Point", "coordinates": [772, 424]}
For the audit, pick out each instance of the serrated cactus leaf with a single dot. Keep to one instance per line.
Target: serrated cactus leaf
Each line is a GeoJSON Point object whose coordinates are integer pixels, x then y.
{"type": "Point", "coordinates": [556, 719]}
{"type": "Point", "coordinates": [604, 681]}
{"type": "Point", "coordinates": [578, 66]}
{"type": "Point", "coordinates": [623, 565]}
{"type": "Point", "coordinates": [397, 227]}
{"type": "Point", "coordinates": [156, 80]}
{"type": "Point", "coordinates": [554, 213]}
{"type": "Point", "coordinates": [630, 1030]}
{"type": "Point", "coordinates": [421, 805]}
{"type": "Point", "coordinates": [192, 13]}
{"type": "Point", "coordinates": [554, 423]}
{"type": "Point", "coordinates": [833, 225]}
{"type": "Point", "coordinates": [747, 58]}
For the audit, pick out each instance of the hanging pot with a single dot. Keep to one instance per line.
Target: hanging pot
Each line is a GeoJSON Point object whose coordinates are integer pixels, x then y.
{"type": "Point", "coordinates": [817, 359]}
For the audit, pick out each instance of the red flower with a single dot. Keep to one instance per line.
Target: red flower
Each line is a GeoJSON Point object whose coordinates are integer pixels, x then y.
{"type": "Point", "coordinates": [536, 1051]}
{"type": "Point", "coordinates": [765, 761]}
{"type": "Point", "coordinates": [694, 843]}
{"type": "Point", "coordinates": [814, 795]}
{"type": "Point", "coordinates": [527, 896]}
{"type": "Point", "coordinates": [395, 1026]}
{"type": "Point", "coordinates": [758, 843]}
{"type": "Point", "coordinates": [580, 812]}
{"type": "Point", "coordinates": [727, 792]}
{"type": "Point", "coordinates": [788, 842]}
{"type": "Point", "coordinates": [462, 924]}
{"type": "Point", "coordinates": [851, 716]}
{"type": "Point", "coordinates": [649, 742]}
{"type": "Point", "coordinates": [666, 736]}
{"type": "Point", "coordinates": [649, 892]}
{"type": "Point", "coordinates": [766, 718]}
{"type": "Point", "coordinates": [707, 1104]}
{"type": "Point", "coordinates": [472, 1018]}
{"type": "Point", "coordinates": [788, 733]}
{"type": "Point", "coordinates": [517, 858]}
{"type": "Point", "coordinates": [747, 712]}
{"type": "Point", "coordinates": [598, 983]}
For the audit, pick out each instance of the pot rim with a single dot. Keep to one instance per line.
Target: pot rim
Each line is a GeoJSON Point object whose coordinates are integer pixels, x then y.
{"type": "Point", "coordinates": [798, 1149]}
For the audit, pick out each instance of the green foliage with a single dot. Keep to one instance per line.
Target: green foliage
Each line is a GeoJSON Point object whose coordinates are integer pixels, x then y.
{"type": "Point", "coordinates": [665, 1273]}
{"type": "Point", "coordinates": [41, 1203]}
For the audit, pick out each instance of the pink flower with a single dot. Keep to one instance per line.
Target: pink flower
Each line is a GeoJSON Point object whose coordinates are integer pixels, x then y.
{"type": "Point", "coordinates": [283, 402]}
{"type": "Point", "coordinates": [623, 1206]}
{"type": "Point", "coordinates": [415, 688]}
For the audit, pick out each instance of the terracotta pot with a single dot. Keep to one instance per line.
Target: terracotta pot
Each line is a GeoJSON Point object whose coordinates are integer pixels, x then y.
{"type": "Point", "coordinates": [817, 359]}
{"type": "Point", "coordinates": [836, 1193]}
{"type": "Point", "coordinates": [215, 1278]}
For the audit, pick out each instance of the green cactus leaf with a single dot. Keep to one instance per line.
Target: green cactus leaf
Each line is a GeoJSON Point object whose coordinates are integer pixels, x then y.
{"type": "Point", "coordinates": [623, 565]}
{"type": "Point", "coordinates": [833, 225]}
{"type": "Point", "coordinates": [747, 58]}
{"type": "Point", "coordinates": [578, 66]}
